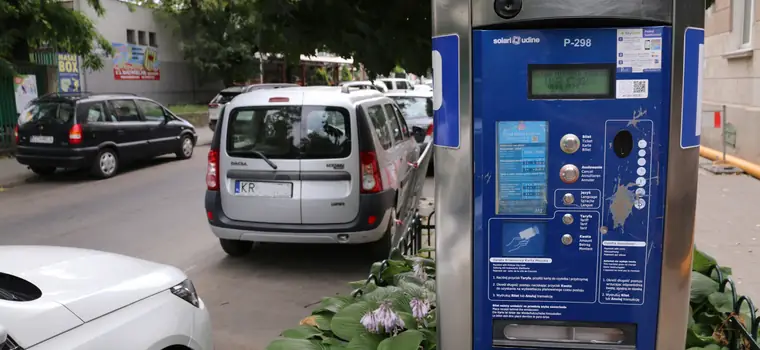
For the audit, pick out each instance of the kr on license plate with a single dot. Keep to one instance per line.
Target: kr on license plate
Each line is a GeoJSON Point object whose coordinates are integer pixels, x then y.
{"type": "Point", "coordinates": [41, 139]}
{"type": "Point", "coordinates": [264, 189]}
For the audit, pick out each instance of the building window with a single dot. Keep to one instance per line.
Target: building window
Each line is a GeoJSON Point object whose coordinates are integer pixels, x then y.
{"type": "Point", "coordinates": [747, 22]}
{"type": "Point", "coordinates": [152, 39]}
{"type": "Point", "coordinates": [742, 18]}
{"type": "Point", "coordinates": [131, 36]}
{"type": "Point", "coordinates": [141, 38]}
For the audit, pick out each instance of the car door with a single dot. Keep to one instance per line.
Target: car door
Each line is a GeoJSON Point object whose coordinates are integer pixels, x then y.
{"type": "Point", "coordinates": [162, 138]}
{"type": "Point", "coordinates": [132, 132]}
{"type": "Point", "coordinates": [98, 123]}
{"type": "Point", "coordinates": [400, 152]}
{"type": "Point", "coordinates": [330, 179]}
{"type": "Point", "coordinates": [260, 162]}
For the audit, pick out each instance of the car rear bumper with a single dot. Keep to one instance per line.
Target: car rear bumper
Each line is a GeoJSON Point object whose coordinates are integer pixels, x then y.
{"type": "Point", "coordinates": [360, 230]}
{"type": "Point", "coordinates": [59, 158]}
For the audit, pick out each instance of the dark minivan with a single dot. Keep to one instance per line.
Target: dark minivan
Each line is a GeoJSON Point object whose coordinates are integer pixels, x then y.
{"type": "Point", "coordinates": [98, 132]}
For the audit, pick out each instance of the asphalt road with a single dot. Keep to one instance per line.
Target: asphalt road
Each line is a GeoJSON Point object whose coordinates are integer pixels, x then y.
{"type": "Point", "coordinates": [155, 211]}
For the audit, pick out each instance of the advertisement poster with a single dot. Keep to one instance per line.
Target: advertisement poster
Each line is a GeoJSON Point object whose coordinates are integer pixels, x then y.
{"type": "Point", "coordinates": [68, 73]}
{"type": "Point", "coordinates": [25, 87]}
{"type": "Point", "coordinates": [135, 62]}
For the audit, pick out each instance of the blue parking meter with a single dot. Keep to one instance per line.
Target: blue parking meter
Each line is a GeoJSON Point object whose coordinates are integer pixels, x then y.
{"type": "Point", "coordinates": [567, 134]}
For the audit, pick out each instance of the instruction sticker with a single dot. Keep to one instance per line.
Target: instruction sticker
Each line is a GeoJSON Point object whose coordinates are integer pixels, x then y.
{"type": "Point", "coordinates": [634, 88]}
{"type": "Point", "coordinates": [639, 50]}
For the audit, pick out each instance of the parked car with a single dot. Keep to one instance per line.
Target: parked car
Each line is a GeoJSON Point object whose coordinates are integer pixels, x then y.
{"type": "Point", "coordinates": [376, 85]}
{"type": "Point", "coordinates": [397, 84]}
{"type": "Point", "coordinates": [226, 95]}
{"type": "Point", "coordinates": [309, 165]}
{"type": "Point", "coordinates": [55, 298]}
{"type": "Point", "coordinates": [417, 108]}
{"type": "Point", "coordinates": [98, 132]}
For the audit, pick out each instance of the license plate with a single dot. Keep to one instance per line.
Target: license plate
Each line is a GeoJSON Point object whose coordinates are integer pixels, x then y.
{"type": "Point", "coordinates": [41, 139]}
{"type": "Point", "coordinates": [264, 189]}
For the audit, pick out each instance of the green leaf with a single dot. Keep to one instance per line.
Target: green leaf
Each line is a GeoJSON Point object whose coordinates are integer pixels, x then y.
{"type": "Point", "coordinates": [332, 304]}
{"type": "Point", "coordinates": [701, 287]}
{"type": "Point", "coordinates": [722, 302]}
{"type": "Point", "coordinates": [408, 340]}
{"type": "Point", "coordinates": [366, 341]}
{"type": "Point", "coordinates": [409, 321]}
{"type": "Point", "coordinates": [701, 262]}
{"type": "Point", "coordinates": [696, 338]}
{"type": "Point", "coordinates": [293, 344]}
{"type": "Point", "coordinates": [301, 332]}
{"type": "Point", "coordinates": [345, 324]}
{"type": "Point", "coordinates": [398, 298]}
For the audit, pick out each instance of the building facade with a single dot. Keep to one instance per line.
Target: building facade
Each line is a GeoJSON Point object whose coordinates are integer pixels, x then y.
{"type": "Point", "coordinates": [147, 59]}
{"type": "Point", "coordinates": [732, 77]}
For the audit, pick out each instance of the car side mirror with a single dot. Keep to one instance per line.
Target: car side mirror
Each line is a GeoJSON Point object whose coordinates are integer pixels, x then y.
{"type": "Point", "coordinates": [3, 335]}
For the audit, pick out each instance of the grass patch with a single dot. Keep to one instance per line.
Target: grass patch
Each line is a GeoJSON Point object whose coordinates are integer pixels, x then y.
{"type": "Point", "coordinates": [186, 109]}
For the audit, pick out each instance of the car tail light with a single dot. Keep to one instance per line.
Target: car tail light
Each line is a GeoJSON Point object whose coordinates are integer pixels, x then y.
{"type": "Point", "coordinates": [75, 134]}
{"type": "Point", "coordinates": [213, 105]}
{"type": "Point", "coordinates": [429, 131]}
{"type": "Point", "coordinates": [279, 99]}
{"type": "Point", "coordinates": [371, 182]}
{"type": "Point", "coordinates": [15, 133]}
{"type": "Point", "coordinates": [212, 170]}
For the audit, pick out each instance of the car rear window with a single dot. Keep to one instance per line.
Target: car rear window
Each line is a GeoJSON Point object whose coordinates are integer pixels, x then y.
{"type": "Point", "coordinates": [48, 112]}
{"type": "Point", "coordinates": [415, 107]}
{"type": "Point", "coordinates": [289, 132]}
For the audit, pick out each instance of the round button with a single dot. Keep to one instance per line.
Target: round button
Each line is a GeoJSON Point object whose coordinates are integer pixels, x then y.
{"type": "Point", "coordinates": [641, 171]}
{"type": "Point", "coordinates": [569, 173]}
{"type": "Point", "coordinates": [642, 161]}
{"type": "Point", "coordinates": [568, 198]}
{"type": "Point", "coordinates": [642, 153]}
{"type": "Point", "coordinates": [640, 192]}
{"type": "Point", "coordinates": [640, 181]}
{"type": "Point", "coordinates": [567, 219]}
{"type": "Point", "coordinates": [642, 144]}
{"type": "Point", "coordinates": [570, 143]}
{"type": "Point", "coordinates": [640, 203]}
{"type": "Point", "coordinates": [567, 239]}
{"type": "Point", "coordinates": [603, 230]}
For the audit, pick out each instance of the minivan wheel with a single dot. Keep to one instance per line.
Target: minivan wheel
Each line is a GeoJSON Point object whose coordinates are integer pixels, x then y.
{"type": "Point", "coordinates": [185, 148]}
{"type": "Point", "coordinates": [381, 248]}
{"type": "Point", "coordinates": [106, 164]}
{"type": "Point", "coordinates": [236, 248]}
{"type": "Point", "coordinates": [42, 170]}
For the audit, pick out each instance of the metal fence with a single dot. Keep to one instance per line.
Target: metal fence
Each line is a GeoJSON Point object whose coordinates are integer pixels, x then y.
{"type": "Point", "coordinates": [738, 333]}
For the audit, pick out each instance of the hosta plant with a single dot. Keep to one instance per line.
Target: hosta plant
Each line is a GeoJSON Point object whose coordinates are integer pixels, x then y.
{"type": "Point", "coordinates": [394, 309]}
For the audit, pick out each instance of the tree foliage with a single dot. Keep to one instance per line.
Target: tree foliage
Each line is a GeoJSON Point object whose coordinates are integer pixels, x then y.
{"type": "Point", "coordinates": [26, 25]}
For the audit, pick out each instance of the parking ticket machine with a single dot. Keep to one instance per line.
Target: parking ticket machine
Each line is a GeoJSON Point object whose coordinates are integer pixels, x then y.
{"type": "Point", "coordinates": [569, 130]}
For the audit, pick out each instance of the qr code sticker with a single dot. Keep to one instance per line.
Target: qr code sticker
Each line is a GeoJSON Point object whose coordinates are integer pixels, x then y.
{"type": "Point", "coordinates": [639, 86]}
{"type": "Point", "coordinates": [626, 89]}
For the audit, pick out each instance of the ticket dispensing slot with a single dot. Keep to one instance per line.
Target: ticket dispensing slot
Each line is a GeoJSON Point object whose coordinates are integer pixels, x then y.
{"type": "Point", "coordinates": [565, 335]}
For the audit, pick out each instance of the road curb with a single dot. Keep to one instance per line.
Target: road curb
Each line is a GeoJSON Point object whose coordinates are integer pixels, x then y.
{"type": "Point", "coordinates": [748, 167]}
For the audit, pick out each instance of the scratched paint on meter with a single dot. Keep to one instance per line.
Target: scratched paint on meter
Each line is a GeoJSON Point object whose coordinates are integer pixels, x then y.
{"type": "Point", "coordinates": [572, 249]}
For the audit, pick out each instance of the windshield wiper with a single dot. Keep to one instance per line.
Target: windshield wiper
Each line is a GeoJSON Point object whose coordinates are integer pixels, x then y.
{"type": "Point", "coordinates": [258, 154]}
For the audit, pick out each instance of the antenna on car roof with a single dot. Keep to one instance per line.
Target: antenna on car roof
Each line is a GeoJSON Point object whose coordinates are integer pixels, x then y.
{"type": "Point", "coordinates": [345, 89]}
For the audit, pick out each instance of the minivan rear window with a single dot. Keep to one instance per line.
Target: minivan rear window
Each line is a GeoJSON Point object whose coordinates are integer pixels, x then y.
{"type": "Point", "coordinates": [225, 97]}
{"type": "Point", "coordinates": [289, 132]}
{"type": "Point", "coordinates": [47, 111]}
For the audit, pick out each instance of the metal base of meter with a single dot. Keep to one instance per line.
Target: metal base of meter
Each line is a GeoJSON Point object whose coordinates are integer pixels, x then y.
{"type": "Point", "coordinates": [721, 168]}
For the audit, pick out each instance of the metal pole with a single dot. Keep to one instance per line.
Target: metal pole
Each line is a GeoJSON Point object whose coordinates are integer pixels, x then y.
{"type": "Point", "coordinates": [723, 130]}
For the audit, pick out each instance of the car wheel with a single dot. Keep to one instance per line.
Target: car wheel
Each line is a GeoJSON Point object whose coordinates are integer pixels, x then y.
{"type": "Point", "coordinates": [236, 248]}
{"type": "Point", "coordinates": [381, 248]}
{"type": "Point", "coordinates": [43, 170]}
{"type": "Point", "coordinates": [106, 164]}
{"type": "Point", "coordinates": [185, 148]}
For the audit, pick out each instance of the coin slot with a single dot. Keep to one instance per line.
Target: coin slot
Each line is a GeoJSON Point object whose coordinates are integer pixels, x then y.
{"type": "Point", "coordinates": [622, 144]}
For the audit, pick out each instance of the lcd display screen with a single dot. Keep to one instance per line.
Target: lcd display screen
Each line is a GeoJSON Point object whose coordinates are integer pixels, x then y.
{"type": "Point", "coordinates": [571, 81]}
{"type": "Point", "coordinates": [522, 176]}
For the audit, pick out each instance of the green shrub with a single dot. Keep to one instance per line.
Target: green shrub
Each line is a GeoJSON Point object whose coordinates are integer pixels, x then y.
{"type": "Point", "coordinates": [395, 309]}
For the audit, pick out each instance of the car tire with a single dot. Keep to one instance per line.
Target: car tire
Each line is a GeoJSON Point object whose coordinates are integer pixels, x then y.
{"type": "Point", "coordinates": [42, 170]}
{"type": "Point", "coordinates": [106, 164]}
{"type": "Point", "coordinates": [381, 248]}
{"type": "Point", "coordinates": [185, 147]}
{"type": "Point", "coordinates": [236, 248]}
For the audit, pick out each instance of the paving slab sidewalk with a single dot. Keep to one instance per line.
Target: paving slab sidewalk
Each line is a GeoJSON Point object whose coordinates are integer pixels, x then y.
{"type": "Point", "coordinates": [13, 174]}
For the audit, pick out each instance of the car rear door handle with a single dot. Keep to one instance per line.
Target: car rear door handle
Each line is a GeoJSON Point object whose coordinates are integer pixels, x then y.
{"type": "Point", "coordinates": [120, 131]}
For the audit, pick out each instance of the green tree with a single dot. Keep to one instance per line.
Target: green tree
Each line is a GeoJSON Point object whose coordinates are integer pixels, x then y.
{"type": "Point", "coordinates": [26, 25]}
{"type": "Point", "coordinates": [219, 37]}
{"type": "Point", "coordinates": [379, 34]}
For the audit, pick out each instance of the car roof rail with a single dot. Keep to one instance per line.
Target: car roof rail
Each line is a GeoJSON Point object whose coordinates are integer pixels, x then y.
{"type": "Point", "coordinates": [114, 93]}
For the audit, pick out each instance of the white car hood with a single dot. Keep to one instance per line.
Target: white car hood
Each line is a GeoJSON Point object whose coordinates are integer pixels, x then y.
{"type": "Point", "coordinates": [77, 285]}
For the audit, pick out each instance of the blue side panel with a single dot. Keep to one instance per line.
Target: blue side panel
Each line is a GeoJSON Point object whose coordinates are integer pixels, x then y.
{"type": "Point", "coordinates": [533, 265]}
{"type": "Point", "coordinates": [446, 91]}
{"type": "Point", "coordinates": [691, 116]}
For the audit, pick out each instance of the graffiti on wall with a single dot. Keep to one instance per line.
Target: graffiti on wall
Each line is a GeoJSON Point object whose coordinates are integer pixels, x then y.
{"type": "Point", "coordinates": [135, 62]}
{"type": "Point", "coordinates": [68, 73]}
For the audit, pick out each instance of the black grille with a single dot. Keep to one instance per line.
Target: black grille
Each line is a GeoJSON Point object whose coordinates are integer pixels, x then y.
{"type": "Point", "coordinates": [10, 344]}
